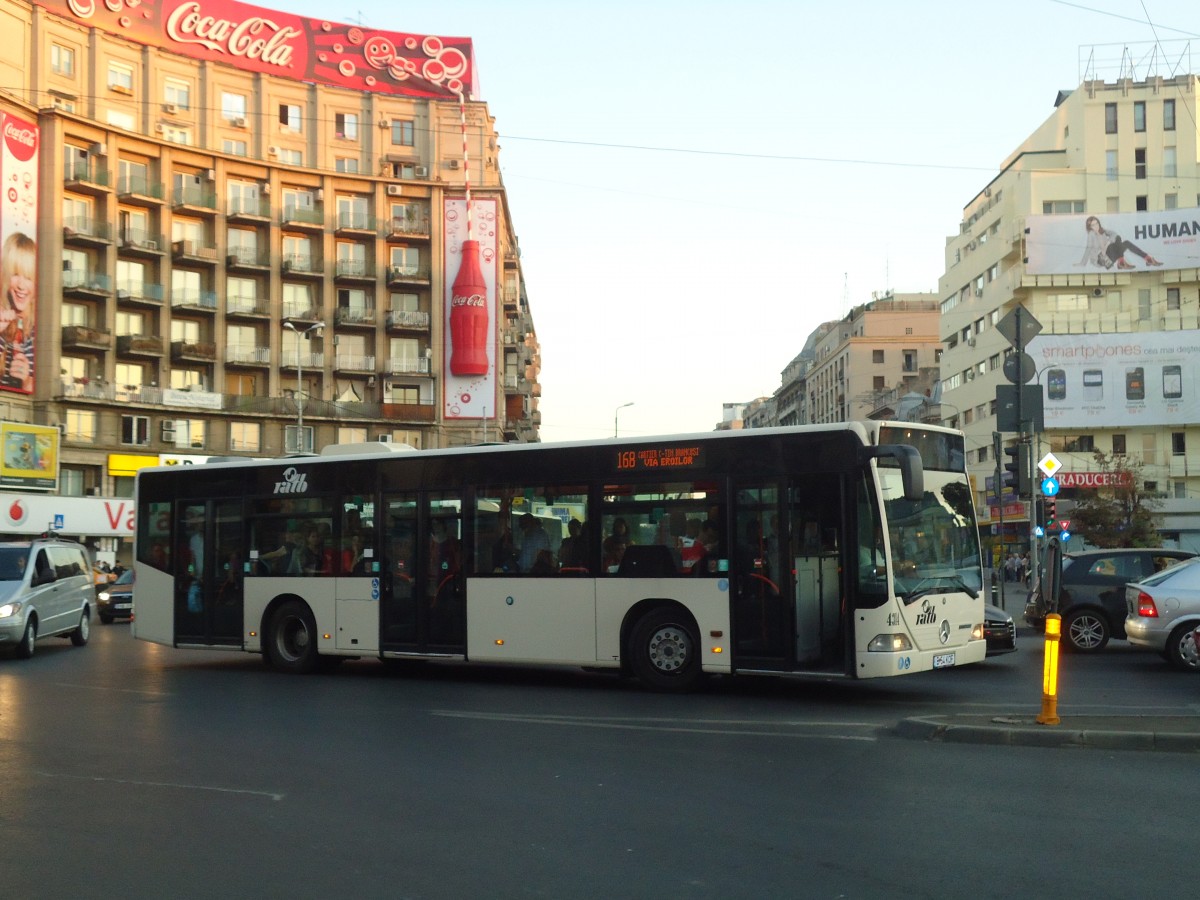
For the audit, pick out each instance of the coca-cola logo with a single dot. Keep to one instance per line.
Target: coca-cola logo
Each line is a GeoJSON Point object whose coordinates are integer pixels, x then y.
{"type": "Point", "coordinates": [253, 38]}
{"type": "Point", "coordinates": [472, 300]}
{"type": "Point", "coordinates": [21, 138]}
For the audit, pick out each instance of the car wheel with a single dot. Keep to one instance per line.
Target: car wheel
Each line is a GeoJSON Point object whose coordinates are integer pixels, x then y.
{"type": "Point", "coordinates": [28, 639]}
{"type": "Point", "coordinates": [665, 652]}
{"type": "Point", "coordinates": [1182, 652]}
{"type": "Point", "coordinates": [292, 639]}
{"type": "Point", "coordinates": [1086, 631]}
{"type": "Point", "coordinates": [79, 637]}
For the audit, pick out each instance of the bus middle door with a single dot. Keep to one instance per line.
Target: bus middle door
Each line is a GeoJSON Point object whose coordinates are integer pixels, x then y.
{"type": "Point", "coordinates": [208, 578]}
{"type": "Point", "coordinates": [762, 622]}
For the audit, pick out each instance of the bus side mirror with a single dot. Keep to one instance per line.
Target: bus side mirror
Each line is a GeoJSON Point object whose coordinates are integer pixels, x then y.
{"type": "Point", "coordinates": [912, 474]}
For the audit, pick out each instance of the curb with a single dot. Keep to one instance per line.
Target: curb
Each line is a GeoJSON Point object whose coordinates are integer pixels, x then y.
{"type": "Point", "coordinates": [1024, 731]}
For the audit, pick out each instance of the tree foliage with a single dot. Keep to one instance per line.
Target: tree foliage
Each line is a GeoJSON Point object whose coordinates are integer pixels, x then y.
{"type": "Point", "coordinates": [1120, 514]}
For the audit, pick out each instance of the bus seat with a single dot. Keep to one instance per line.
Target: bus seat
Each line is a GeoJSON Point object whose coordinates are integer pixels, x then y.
{"type": "Point", "coordinates": [648, 561]}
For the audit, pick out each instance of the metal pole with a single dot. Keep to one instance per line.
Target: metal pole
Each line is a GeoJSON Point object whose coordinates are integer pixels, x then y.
{"type": "Point", "coordinates": [615, 412]}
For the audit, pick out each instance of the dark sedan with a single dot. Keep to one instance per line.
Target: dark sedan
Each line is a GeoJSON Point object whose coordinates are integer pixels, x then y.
{"type": "Point", "coordinates": [115, 600]}
{"type": "Point", "coordinates": [999, 630]}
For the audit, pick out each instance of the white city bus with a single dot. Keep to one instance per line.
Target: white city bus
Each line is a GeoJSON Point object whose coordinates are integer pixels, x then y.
{"type": "Point", "coordinates": [842, 550]}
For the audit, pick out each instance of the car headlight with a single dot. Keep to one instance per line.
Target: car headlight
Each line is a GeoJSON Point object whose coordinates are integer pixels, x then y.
{"type": "Point", "coordinates": [10, 609]}
{"type": "Point", "coordinates": [104, 595]}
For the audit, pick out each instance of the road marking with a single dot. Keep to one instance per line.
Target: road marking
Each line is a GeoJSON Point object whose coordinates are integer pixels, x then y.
{"type": "Point", "coordinates": [162, 784]}
{"type": "Point", "coordinates": [100, 687]}
{"type": "Point", "coordinates": [681, 726]}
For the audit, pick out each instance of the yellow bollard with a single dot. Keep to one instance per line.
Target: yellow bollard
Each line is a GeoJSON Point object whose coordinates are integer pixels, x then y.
{"type": "Point", "coordinates": [1049, 714]}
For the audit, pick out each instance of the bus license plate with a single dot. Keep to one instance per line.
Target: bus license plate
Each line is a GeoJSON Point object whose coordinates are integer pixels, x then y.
{"type": "Point", "coordinates": [942, 660]}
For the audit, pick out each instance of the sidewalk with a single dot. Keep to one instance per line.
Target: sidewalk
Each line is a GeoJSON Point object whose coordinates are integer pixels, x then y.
{"type": "Point", "coordinates": [1173, 734]}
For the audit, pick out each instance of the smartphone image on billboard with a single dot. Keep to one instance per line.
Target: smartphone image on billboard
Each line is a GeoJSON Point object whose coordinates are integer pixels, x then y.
{"type": "Point", "coordinates": [1172, 382]}
{"type": "Point", "coordinates": [1093, 384]}
{"type": "Point", "coordinates": [1135, 383]}
{"type": "Point", "coordinates": [1056, 384]}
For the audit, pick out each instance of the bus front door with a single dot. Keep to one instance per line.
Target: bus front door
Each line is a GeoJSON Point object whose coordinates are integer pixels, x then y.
{"type": "Point", "coordinates": [208, 576]}
{"type": "Point", "coordinates": [423, 602]}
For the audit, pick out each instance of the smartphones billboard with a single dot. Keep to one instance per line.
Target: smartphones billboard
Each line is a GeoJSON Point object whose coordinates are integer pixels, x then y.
{"type": "Point", "coordinates": [1118, 380]}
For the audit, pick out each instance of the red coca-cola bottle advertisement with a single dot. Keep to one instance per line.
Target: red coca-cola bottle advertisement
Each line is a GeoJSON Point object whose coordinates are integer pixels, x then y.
{"type": "Point", "coordinates": [469, 316]}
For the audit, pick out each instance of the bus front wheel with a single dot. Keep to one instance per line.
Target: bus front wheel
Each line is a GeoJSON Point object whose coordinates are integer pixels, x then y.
{"type": "Point", "coordinates": [665, 652]}
{"type": "Point", "coordinates": [292, 640]}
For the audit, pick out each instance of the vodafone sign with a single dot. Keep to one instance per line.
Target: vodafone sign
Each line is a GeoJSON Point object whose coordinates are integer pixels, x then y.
{"type": "Point", "coordinates": [1094, 479]}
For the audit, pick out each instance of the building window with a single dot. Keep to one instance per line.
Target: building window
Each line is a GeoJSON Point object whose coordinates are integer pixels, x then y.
{"type": "Point", "coordinates": [1112, 204]}
{"type": "Point", "coordinates": [1172, 298]}
{"type": "Point", "coordinates": [120, 78]}
{"type": "Point", "coordinates": [62, 60]}
{"type": "Point", "coordinates": [402, 133]}
{"type": "Point", "coordinates": [878, 383]}
{"type": "Point", "coordinates": [1170, 165]}
{"type": "Point", "coordinates": [177, 135]}
{"type": "Point", "coordinates": [1170, 201]}
{"type": "Point", "coordinates": [289, 116]}
{"type": "Point", "coordinates": [348, 434]}
{"type": "Point", "coordinates": [402, 393]}
{"type": "Point", "coordinates": [1110, 118]}
{"type": "Point", "coordinates": [233, 106]}
{"type": "Point", "coordinates": [877, 356]}
{"type": "Point", "coordinates": [1082, 443]}
{"type": "Point", "coordinates": [291, 157]}
{"type": "Point", "coordinates": [233, 148]}
{"type": "Point", "coordinates": [70, 482]}
{"type": "Point", "coordinates": [1168, 115]}
{"type": "Point", "coordinates": [1062, 207]}
{"type": "Point", "coordinates": [81, 425]}
{"type": "Point", "coordinates": [245, 436]}
{"type": "Point", "coordinates": [177, 92]}
{"type": "Point", "coordinates": [1139, 162]}
{"type": "Point", "coordinates": [910, 361]}
{"type": "Point", "coordinates": [346, 126]}
{"type": "Point", "coordinates": [346, 164]}
{"type": "Point", "coordinates": [1118, 444]}
{"type": "Point", "coordinates": [135, 430]}
{"type": "Point", "coordinates": [1178, 443]}
{"type": "Point", "coordinates": [1139, 115]}
{"type": "Point", "coordinates": [1141, 204]}
{"type": "Point", "coordinates": [1110, 165]}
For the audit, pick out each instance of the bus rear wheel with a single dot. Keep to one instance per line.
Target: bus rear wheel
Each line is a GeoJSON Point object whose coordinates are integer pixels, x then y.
{"type": "Point", "coordinates": [665, 652]}
{"type": "Point", "coordinates": [292, 638]}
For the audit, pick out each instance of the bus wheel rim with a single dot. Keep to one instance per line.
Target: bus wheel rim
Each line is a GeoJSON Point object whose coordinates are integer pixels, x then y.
{"type": "Point", "coordinates": [669, 649]}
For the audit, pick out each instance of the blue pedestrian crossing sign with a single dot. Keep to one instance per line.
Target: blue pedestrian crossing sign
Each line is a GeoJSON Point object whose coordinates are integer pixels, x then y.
{"type": "Point", "coordinates": [1050, 487]}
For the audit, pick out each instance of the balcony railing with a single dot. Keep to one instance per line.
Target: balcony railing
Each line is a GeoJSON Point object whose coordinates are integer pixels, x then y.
{"type": "Point", "coordinates": [407, 365]}
{"type": "Point", "coordinates": [79, 280]}
{"type": "Point", "coordinates": [352, 362]}
{"type": "Point", "coordinates": [252, 207]}
{"type": "Point", "coordinates": [193, 250]}
{"type": "Point", "coordinates": [246, 306]}
{"type": "Point", "coordinates": [140, 344]}
{"type": "Point", "coordinates": [194, 299]}
{"type": "Point", "coordinates": [353, 268]}
{"type": "Point", "coordinates": [82, 337]}
{"type": "Point", "coordinates": [197, 198]}
{"type": "Point", "coordinates": [301, 313]}
{"type": "Point", "coordinates": [302, 264]}
{"type": "Point", "coordinates": [84, 227]}
{"type": "Point", "coordinates": [258, 356]}
{"type": "Point", "coordinates": [355, 315]}
{"type": "Point", "coordinates": [137, 239]}
{"type": "Point", "coordinates": [407, 318]}
{"type": "Point", "coordinates": [247, 256]}
{"type": "Point", "coordinates": [352, 221]}
{"type": "Point", "coordinates": [88, 173]}
{"type": "Point", "coordinates": [139, 186]}
{"type": "Point", "coordinates": [398, 274]}
{"type": "Point", "coordinates": [140, 292]}
{"type": "Point", "coordinates": [193, 351]}
{"type": "Point", "coordinates": [294, 215]}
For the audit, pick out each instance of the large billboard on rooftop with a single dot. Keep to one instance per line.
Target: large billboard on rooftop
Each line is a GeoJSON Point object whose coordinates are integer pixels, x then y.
{"type": "Point", "coordinates": [277, 43]}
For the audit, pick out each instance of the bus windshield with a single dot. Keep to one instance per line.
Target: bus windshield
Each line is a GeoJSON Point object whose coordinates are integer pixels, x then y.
{"type": "Point", "coordinates": [934, 541]}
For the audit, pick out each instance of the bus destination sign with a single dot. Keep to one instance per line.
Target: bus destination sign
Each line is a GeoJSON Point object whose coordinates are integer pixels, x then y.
{"type": "Point", "coordinates": [659, 458]}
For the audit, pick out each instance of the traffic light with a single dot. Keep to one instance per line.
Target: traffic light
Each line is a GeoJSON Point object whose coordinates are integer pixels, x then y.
{"type": "Point", "coordinates": [1050, 514]}
{"type": "Point", "coordinates": [1018, 468]}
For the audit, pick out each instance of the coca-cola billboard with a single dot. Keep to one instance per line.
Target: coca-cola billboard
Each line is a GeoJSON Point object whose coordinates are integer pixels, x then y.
{"type": "Point", "coordinates": [276, 43]}
{"type": "Point", "coordinates": [18, 252]}
{"type": "Point", "coordinates": [470, 277]}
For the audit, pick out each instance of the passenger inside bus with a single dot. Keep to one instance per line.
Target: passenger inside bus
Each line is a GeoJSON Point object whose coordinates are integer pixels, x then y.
{"type": "Point", "coordinates": [615, 544]}
{"type": "Point", "coordinates": [315, 558]}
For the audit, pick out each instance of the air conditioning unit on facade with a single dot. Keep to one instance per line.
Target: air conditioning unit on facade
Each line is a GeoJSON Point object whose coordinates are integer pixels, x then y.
{"type": "Point", "coordinates": [395, 190]}
{"type": "Point", "coordinates": [385, 439]}
{"type": "Point", "coordinates": [168, 430]}
{"type": "Point", "coordinates": [970, 342]}
{"type": "Point", "coordinates": [170, 108]}
{"type": "Point", "coordinates": [239, 122]}
{"type": "Point", "coordinates": [453, 164]}
{"type": "Point", "coordinates": [420, 171]}
{"type": "Point", "coordinates": [272, 150]}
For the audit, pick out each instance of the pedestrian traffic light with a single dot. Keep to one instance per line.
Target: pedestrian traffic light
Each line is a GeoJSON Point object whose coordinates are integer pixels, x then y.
{"type": "Point", "coordinates": [1018, 469]}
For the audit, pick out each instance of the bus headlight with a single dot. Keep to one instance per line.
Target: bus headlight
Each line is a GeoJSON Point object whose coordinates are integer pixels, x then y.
{"type": "Point", "coordinates": [977, 632]}
{"type": "Point", "coordinates": [889, 643]}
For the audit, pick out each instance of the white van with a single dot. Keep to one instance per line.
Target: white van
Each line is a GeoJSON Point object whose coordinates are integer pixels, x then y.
{"type": "Point", "coordinates": [45, 589]}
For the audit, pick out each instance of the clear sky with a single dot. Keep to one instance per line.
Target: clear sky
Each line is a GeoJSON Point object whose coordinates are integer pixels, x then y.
{"type": "Point", "coordinates": [697, 185]}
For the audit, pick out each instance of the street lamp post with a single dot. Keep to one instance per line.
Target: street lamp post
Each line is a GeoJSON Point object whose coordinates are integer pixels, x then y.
{"type": "Point", "coordinates": [306, 333]}
{"type": "Point", "coordinates": [616, 412]}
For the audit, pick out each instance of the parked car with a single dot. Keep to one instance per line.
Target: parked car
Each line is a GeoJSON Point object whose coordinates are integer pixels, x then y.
{"type": "Point", "coordinates": [45, 590]}
{"type": "Point", "coordinates": [999, 630]}
{"type": "Point", "coordinates": [115, 601]}
{"type": "Point", "coordinates": [1164, 614]}
{"type": "Point", "coordinates": [1091, 598]}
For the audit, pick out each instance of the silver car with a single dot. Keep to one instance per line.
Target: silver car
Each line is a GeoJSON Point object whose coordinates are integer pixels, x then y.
{"type": "Point", "coordinates": [1163, 613]}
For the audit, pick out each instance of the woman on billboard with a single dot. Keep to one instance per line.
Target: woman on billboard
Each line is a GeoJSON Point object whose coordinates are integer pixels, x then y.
{"type": "Point", "coordinates": [1104, 248]}
{"type": "Point", "coordinates": [18, 281]}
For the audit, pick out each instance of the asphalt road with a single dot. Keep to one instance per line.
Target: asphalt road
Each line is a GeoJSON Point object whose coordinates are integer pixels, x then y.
{"type": "Point", "coordinates": [131, 770]}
